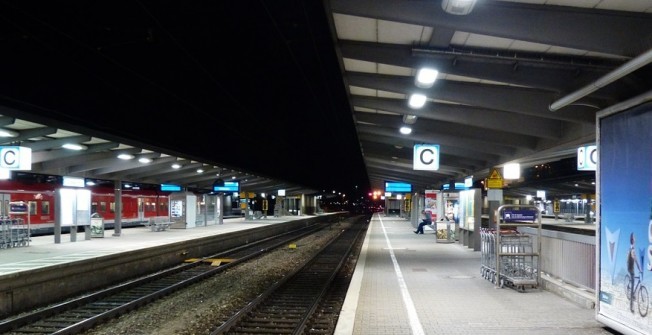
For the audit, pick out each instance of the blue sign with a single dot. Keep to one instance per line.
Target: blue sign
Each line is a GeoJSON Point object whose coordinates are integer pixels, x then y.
{"type": "Point", "coordinates": [17, 207]}
{"type": "Point", "coordinates": [519, 215]}
{"type": "Point", "coordinates": [229, 186]}
{"type": "Point", "coordinates": [398, 187]}
{"type": "Point", "coordinates": [170, 187]}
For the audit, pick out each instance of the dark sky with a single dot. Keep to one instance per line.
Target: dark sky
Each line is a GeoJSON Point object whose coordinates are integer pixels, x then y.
{"type": "Point", "coordinates": [253, 85]}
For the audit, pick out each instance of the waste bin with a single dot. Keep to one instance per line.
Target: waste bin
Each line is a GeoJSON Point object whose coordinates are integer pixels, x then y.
{"type": "Point", "coordinates": [97, 226]}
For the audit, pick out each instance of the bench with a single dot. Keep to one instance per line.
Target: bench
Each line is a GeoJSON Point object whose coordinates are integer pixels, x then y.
{"type": "Point", "coordinates": [158, 224]}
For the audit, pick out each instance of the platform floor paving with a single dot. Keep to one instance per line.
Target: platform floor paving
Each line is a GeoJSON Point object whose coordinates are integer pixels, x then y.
{"type": "Point", "coordinates": [408, 284]}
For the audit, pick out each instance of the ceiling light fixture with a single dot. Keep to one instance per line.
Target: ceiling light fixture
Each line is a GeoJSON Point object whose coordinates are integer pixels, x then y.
{"type": "Point", "coordinates": [125, 157]}
{"type": "Point", "coordinates": [8, 133]}
{"type": "Point", "coordinates": [426, 77]}
{"type": "Point", "coordinates": [405, 130]}
{"type": "Point", "coordinates": [5, 174]}
{"type": "Point", "coordinates": [458, 7]}
{"type": "Point", "coordinates": [144, 160]}
{"type": "Point", "coordinates": [176, 166]}
{"type": "Point", "coordinates": [74, 146]}
{"type": "Point", "coordinates": [409, 119]}
{"type": "Point", "coordinates": [200, 170]}
{"type": "Point", "coordinates": [417, 100]}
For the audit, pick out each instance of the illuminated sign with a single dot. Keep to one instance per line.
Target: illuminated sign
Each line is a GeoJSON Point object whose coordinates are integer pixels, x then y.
{"type": "Point", "coordinates": [229, 186]}
{"type": "Point", "coordinates": [170, 187]}
{"type": "Point", "coordinates": [398, 187]}
{"type": "Point", "coordinates": [587, 158]}
{"type": "Point", "coordinates": [426, 157]}
{"type": "Point", "coordinates": [73, 182]}
{"type": "Point", "coordinates": [15, 158]}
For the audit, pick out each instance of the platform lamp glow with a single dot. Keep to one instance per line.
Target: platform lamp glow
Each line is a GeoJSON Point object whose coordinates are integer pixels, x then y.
{"type": "Point", "coordinates": [405, 130]}
{"type": "Point", "coordinates": [458, 7]}
{"type": "Point", "coordinates": [426, 77]}
{"type": "Point", "coordinates": [512, 171]}
{"type": "Point", "coordinates": [417, 100]}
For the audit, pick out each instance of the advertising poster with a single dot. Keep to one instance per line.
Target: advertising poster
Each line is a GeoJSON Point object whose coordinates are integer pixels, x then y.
{"type": "Point", "coordinates": [625, 224]}
{"type": "Point", "coordinates": [432, 204]}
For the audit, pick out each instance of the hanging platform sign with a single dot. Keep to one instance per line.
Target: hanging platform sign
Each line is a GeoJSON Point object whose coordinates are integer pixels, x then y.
{"type": "Point", "coordinates": [15, 158]}
{"type": "Point", "coordinates": [426, 157]}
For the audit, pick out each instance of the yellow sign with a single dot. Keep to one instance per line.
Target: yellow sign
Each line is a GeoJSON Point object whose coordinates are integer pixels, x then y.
{"type": "Point", "coordinates": [555, 206]}
{"type": "Point", "coordinates": [495, 180]}
{"type": "Point", "coordinates": [495, 174]}
{"type": "Point", "coordinates": [265, 204]}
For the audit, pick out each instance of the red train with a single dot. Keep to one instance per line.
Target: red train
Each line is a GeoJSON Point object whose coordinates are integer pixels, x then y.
{"type": "Point", "coordinates": [138, 205]}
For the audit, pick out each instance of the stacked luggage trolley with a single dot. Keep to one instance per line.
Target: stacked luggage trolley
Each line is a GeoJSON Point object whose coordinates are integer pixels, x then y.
{"type": "Point", "coordinates": [14, 232]}
{"type": "Point", "coordinates": [508, 256]}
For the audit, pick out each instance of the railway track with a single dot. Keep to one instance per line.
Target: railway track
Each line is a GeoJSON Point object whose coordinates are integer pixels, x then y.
{"type": "Point", "coordinates": [307, 302]}
{"type": "Point", "coordinates": [77, 315]}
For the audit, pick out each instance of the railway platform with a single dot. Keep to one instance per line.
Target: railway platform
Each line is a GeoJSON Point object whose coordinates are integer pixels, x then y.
{"type": "Point", "coordinates": [43, 252]}
{"type": "Point", "coordinates": [403, 283]}
{"type": "Point", "coordinates": [407, 284]}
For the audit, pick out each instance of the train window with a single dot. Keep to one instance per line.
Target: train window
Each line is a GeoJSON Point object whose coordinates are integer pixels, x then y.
{"type": "Point", "coordinates": [103, 206]}
{"type": "Point", "coordinates": [32, 208]}
{"type": "Point", "coordinates": [45, 208]}
{"type": "Point", "coordinates": [112, 207]}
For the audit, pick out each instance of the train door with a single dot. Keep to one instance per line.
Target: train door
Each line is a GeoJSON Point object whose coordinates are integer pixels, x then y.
{"type": "Point", "coordinates": [141, 209]}
{"type": "Point", "coordinates": [5, 198]}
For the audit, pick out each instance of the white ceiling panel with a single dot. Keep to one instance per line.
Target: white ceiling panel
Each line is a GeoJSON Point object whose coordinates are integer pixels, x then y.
{"type": "Point", "coordinates": [355, 28]}
{"type": "Point", "coordinates": [399, 33]}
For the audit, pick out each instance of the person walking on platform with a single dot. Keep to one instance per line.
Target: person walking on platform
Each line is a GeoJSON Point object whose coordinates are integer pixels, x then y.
{"type": "Point", "coordinates": [427, 220]}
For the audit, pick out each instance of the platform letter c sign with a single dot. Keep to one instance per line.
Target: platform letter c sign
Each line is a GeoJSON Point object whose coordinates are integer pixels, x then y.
{"type": "Point", "coordinates": [15, 158]}
{"type": "Point", "coordinates": [426, 157]}
{"type": "Point", "coordinates": [9, 159]}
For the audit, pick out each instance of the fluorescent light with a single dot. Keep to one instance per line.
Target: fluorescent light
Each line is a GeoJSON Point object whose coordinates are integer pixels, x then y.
{"type": "Point", "coordinates": [73, 181]}
{"type": "Point", "coordinates": [426, 77]}
{"type": "Point", "coordinates": [409, 119]}
{"type": "Point", "coordinates": [417, 100]}
{"type": "Point", "coordinates": [512, 171]}
{"type": "Point", "coordinates": [458, 7]}
{"type": "Point", "coordinates": [5, 174]}
{"type": "Point", "coordinates": [90, 183]}
{"type": "Point", "coordinates": [74, 146]}
{"type": "Point", "coordinates": [176, 166]}
{"type": "Point", "coordinates": [8, 133]}
{"type": "Point", "coordinates": [125, 156]}
{"type": "Point", "coordinates": [200, 170]}
{"type": "Point", "coordinates": [144, 160]}
{"type": "Point", "coordinates": [405, 130]}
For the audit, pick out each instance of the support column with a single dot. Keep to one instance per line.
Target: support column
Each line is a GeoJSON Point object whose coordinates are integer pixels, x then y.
{"type": "Point", "coordinates": [117, 223]}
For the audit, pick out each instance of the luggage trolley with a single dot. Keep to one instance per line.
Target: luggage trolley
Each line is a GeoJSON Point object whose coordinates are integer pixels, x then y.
{"type": "Point", "coordinates": [18, 233]}
{"type": "Point", "coordinates": [516, 258]}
